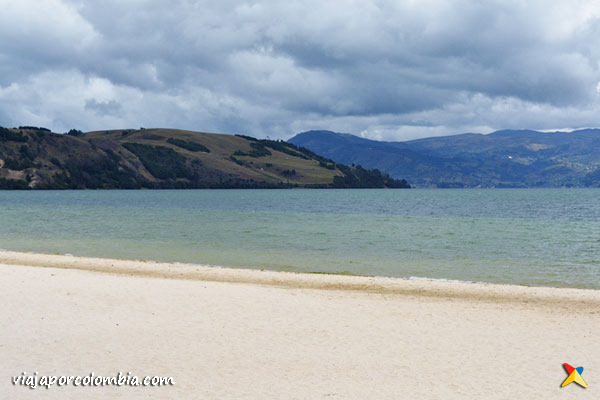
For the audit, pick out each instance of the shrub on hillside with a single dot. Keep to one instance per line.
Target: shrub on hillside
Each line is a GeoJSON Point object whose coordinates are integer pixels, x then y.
{"type": "Point", "coordinates": [162, 162]}
{"type": "Point", "coordinates": [74, 132]}
{"type": "Point", "coordinates": [258, 150]}
{"type": "Point", "coordinates": [191, 146]}
{"type": "Point", "coordinates": [8, 135]}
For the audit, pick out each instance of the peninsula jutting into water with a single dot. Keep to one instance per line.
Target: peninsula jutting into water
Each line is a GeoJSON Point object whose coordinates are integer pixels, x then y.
{"type": "Point", "coordinates": [35, 158]}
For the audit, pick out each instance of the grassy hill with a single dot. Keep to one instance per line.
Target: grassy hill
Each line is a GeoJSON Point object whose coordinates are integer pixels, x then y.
{"type": "Point", "coordinates": [35, 158]}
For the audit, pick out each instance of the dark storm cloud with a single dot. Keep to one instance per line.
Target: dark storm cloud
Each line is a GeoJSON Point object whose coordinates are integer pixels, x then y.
{"type": "Point", "coordinates": [385, 69]}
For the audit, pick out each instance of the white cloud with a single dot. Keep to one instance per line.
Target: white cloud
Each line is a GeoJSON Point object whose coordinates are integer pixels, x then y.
{"type": "Point", "coordinates": [40, 33]}
{"type": "Point", "coordinates": [388, 69]}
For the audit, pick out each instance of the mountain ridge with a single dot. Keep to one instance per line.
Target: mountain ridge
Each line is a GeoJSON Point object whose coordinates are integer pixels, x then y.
{"type": "Point", "coordinates": [504, 158]}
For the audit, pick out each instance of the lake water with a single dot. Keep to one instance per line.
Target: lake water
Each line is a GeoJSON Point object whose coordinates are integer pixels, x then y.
{"type": "Point", "coordinates": [544, 237]}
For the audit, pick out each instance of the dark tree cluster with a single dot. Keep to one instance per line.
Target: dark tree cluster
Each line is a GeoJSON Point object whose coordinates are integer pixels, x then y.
{"type": "Point", "coordinates": [18, 164]}
{"type": "Point", "coordinates": [13, 184]}
{"type": "Point", "coordinates": [282, 147]}
{"type": "Point", "coordinates": [74, 132]}
{"type": "Point", "coordinates": [191, 146]}
{"type": "Point", "coordinates": [235, 160]}
{"type": "Point", "coordinates": [100, 173]}
{"type": "Point", "coordinates": [366, 178]}
{"type": "Point", "coordinates": [248, 137]}
{"type": "Point", "coordinates": [258, 150]}
{"type": "Point", "coordinates": [34, 128]}
{"type": "Point", "coordinates": [327, 165]}
{"type": "Point", "coordinates": [7, 135]}
{"type": "Point", "coordinates": [162, 162]}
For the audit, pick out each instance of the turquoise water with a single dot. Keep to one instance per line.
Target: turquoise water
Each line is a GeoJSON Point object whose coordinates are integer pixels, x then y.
{"type": "Point", "coordinates": [545, 237]}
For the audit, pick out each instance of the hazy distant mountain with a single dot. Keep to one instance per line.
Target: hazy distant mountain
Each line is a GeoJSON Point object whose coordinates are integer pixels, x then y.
{"type": "Point", "coordinates": [35, 158]}
{"type": "Point", "coordinates": [507, 158]}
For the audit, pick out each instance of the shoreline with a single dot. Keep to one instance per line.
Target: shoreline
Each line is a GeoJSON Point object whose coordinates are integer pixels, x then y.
{"type": "Point", "coordinates": [224, 333]}
{"type": "Point", "coordinates": [436, 288]}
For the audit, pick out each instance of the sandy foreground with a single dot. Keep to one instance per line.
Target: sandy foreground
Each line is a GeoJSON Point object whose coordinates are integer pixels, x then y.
{"type": "Point", "coordinates": [242, 334]}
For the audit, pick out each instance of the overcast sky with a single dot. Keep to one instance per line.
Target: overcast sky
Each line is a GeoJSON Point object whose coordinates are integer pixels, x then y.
{"type": "Point", "coordinates": [382, 69]}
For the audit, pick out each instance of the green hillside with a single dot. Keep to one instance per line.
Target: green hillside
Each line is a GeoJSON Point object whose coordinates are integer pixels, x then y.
{"type": "Point", "coordinates": [35, 158]}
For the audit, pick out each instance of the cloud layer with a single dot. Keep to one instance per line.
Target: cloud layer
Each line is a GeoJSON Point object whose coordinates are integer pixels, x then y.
{"type": "Point", "coordinates": [386, 69]}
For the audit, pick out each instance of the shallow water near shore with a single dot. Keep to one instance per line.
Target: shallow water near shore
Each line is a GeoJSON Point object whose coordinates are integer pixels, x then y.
{"type": "Point", "coordinates": [543, 237]}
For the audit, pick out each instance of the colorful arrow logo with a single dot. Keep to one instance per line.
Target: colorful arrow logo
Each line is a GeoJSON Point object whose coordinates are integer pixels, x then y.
{"type": "Point", "coordinates": [574, 376]}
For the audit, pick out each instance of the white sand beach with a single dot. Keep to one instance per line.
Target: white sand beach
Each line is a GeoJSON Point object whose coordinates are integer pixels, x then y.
{"type": "Point", "coordinates": [243, 334]}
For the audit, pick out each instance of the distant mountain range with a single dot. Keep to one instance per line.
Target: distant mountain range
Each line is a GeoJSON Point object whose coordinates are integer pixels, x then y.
{"type": "Point", "coordinates": [506, 158]}
{"type": "Point", "coordinates": [35, 158]}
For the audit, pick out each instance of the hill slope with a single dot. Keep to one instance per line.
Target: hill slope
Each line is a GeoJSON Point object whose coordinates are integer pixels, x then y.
{"type": "Point", "coordinates": [32, 157]}
{"type": "Point", "coordinates": [505, 158]}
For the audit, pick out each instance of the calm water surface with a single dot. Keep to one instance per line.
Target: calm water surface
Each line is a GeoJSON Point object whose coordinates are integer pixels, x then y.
{"type": "Point", "coordinates": [548, 237]}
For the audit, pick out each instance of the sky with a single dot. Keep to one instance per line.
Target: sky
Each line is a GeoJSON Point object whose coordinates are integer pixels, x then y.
{"type": "Point", "coordinates": [381, 69]}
